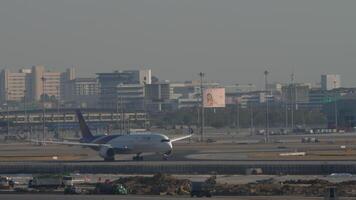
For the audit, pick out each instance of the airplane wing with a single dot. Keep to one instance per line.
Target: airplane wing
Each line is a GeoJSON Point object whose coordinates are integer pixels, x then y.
{"type": "Point", "coordinates": [181, 138]}
{"type": "Point", "coordinates": [73, 143]}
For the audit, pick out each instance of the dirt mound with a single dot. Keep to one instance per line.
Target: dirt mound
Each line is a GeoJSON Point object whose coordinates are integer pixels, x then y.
{"type": "Point", "coordinates": [314, 187]}
{"type": "Point", "coordinates": [157, 185]}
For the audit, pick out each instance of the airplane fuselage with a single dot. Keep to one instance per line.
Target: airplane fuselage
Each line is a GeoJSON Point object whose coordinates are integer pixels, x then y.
{"type": "Point", "coordinates": [136, 143]}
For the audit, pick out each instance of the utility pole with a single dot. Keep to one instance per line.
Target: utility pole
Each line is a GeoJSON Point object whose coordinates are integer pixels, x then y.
{"type": "Point", "coordinates": [251, 119]}
{"type": "Point", "coordinates": [117, 115]}
{"type": "Point", "coordinates": [267, 107]}
{"type": "Point", "coordinates": [286, 111]}
{"type": "Point", "coordinates": [292, 100]}
{"type": "Point", "coordinates": [7, 107]}
{"type": "Point", "coordinates": [25, 114]}
{"type": "Point", "coordinates": [145, 103]}
{"type": "Point", "coordinates": [122, 126]}
{"type": "Point", "coordinates": [237, 116]}
{"type": "Point", "coordinates": [58, 109]}
{"type": "Point", "coordinates": [335, 107]}
{"type": "Point", "coordinates": [7, 112]}
{"type": "Point", "coordinates": [201, 74]}
{"type": "Point", "coordinates": [43, 110]}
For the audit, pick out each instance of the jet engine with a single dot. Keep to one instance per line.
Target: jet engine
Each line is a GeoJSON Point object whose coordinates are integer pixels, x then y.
{"type": "Point", "coordinates": [107, 153]}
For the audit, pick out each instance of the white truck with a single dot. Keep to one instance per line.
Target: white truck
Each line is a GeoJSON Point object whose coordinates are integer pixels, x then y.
{"type": "Point", "coordinates": [50, 181]}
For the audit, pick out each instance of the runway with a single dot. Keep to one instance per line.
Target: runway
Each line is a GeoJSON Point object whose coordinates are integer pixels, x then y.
{"type": "Point", "coordinates": [129, 197]}
{"type": "Point", "coordinates": [229, 155]}
{"type": "Point", "coordinates": [180, 167]}
{"type": "Point", "coordinates": [228, 151]}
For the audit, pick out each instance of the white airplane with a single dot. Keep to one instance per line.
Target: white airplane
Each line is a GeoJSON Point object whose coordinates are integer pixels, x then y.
{"type": "Point", "coordinates": [137, 143]}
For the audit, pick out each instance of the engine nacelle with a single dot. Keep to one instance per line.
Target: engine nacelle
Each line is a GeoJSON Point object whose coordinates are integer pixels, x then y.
{"type": "Point", "coordinates": [107, 153]}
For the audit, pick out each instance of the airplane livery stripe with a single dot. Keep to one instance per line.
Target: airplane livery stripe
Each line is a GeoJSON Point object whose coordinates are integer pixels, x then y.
{"type": "Point", "coordinates": [105, 139]}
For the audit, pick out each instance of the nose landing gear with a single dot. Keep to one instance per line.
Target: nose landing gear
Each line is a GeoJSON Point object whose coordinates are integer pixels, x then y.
{"type": "Point", "coordinates": [167, 155]}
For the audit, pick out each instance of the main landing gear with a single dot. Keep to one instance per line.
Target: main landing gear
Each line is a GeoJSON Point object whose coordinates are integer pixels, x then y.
{"type": "Point", "coordinates": [109, 159]}
{"type": "Point", "coordinates": [165, 157]}
{"type": "Point", "coordinates": [137, 157]}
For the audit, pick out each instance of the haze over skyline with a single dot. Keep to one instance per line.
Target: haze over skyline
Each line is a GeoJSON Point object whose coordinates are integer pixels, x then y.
{"type": "Point", "coordinates": [231, 41]}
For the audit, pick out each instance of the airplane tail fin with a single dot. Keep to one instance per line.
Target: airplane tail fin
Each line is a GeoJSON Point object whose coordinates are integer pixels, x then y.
{"type": "Point", "coordinates": [86, 134]}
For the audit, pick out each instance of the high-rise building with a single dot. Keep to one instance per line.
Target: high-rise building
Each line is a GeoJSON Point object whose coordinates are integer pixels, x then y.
{"type": "Point", "coordinates": [13, 85]}
{"type": "Point", "coordinates": [158, 91]}
{"type": "Point", "coordinates": [158, 96]}
{"type": "Point", "coordinates": [81, 92]}
{"type": "Point", "coordinates": [330, 81]}
{"type": "Point", "coordinates": [48, 82]}
{"type": "Point", "coordinates": [129, 96]}
{"type": "Point", "coordinates": [125, 86]}
{"type": "Point", "coordinates": [296, 93]}
{"type": "Point", "coordinates": [32, 83]}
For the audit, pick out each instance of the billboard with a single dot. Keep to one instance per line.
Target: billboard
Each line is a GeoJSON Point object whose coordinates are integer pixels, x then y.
{"type": "Point", "coordinates": [214, 98]}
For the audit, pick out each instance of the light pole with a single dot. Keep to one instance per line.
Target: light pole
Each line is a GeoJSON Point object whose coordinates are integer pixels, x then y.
{"type": "Point", "coordinates": [7, 113]}
{"type": "Point", "coordinates": [237, 116]}
{"type": "Point", "coordinates": [335, 107]}
{"type": "Point", "coordinates": [122, 118]}
{"type": "Point", "coordinates": [201, 74]}
{"type": "Point", "coordinates": [120, 122]}
{"type": "Point", "coordinates": [145, 103]}
{"type": "Point", "coordinates": [267, 107]}
{"type": "Point", "coordinates": [43, 109]}
{"type": "Point", "coordinates": [7, 108]}
{"type": "Point", "coordinates": [25, 114]}
{"type": "Point", "coordinates": [251, 119]}
{"type": "Point", "coordinates": [286, 101]}
{"type": "Point", "coordinates": [117, 115]}
{"type": "Point", "coordinates": [58, 109]}
{"type": "Point", "coordinates": [293, 95]}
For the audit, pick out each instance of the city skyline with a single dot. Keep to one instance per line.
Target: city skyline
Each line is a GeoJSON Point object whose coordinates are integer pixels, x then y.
{"type": "Point", "coordinates": [314, 83]}
{"type": "Point", "coordinates": [231, 41]}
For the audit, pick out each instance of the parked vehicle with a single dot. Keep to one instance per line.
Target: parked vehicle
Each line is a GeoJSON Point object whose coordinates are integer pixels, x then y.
{"type": "Point", "coordinates": [110, 188]}
{"type": "Point", "coordinates": [50, 181]}
{"type": "Point", "coordinates": [200, 189]}
{"type": "Point", "coordinates": [6, 183]}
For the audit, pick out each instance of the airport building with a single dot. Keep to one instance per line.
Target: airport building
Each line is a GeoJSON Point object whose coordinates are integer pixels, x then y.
{"type": "Point", "coordinates": [187, 103]}
{"type": "Point", "coordinates": [66, 119]}
{"type": "Point", "coordinates": [249, 98]}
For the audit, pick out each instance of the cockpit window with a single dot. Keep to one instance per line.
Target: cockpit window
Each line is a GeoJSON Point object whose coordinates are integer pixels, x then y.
{"type": "Point", "coordinates": [165, 140]}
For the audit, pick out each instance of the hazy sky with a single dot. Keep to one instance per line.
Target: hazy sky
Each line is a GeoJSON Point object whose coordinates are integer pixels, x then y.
{"type": "Point", "coordinates": [230, 40]}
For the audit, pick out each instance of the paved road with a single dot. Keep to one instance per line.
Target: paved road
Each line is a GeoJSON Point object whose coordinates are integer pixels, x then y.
{"type": "Point", "coordinates": [109, 197]}
{"type": "Point", "coordinates": [175, 163]}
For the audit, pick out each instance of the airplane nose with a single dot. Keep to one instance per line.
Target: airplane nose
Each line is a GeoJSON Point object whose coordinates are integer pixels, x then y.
{"type": "Point", "coordinates": [169, 148]}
